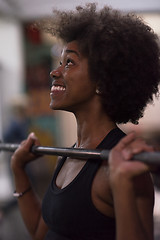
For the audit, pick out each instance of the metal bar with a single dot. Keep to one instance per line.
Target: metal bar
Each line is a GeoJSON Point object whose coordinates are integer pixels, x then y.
{"type": "Point", "coordinates": [10, 147]}
{"type": "Point", "coordinates": [71, 152]}
{"type": "Point", "coordinates": [151, 158]}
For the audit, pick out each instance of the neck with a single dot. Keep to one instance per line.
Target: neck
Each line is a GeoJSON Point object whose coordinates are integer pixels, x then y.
{"type": "Point", "coordinates": [92, 128]}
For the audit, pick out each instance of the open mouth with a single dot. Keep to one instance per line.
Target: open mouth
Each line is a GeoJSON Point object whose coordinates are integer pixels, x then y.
{"type": "Point", "coordinates": [58, 88]}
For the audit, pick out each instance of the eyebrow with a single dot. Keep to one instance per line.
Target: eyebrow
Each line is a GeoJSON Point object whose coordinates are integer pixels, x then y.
{"type": "Point", "coordinates": [72, 51]}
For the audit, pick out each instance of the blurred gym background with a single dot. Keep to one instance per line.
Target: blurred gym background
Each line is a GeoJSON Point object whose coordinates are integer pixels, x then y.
{"type": "Point", "coordinates": [26, 59]}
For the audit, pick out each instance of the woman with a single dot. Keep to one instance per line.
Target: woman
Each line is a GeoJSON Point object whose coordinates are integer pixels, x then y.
{"type": "Point", "coordinates": [109, 71]}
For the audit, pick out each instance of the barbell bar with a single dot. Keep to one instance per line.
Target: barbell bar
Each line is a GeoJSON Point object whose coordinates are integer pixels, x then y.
{"type": "Point", "coordinates": [151, 158]}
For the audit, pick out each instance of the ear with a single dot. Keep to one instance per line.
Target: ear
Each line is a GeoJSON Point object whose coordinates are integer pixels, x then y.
{"type": "Point", "coordinates": [98, 92]}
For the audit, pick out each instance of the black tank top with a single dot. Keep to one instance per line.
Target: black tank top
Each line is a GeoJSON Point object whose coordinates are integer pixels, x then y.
{"type": "Point", "coordinates": [69, 212]}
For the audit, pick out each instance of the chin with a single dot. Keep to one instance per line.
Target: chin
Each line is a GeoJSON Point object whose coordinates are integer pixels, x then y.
{"type": "Point", "coordinates": [55, 107]}
{"type": "Point", "coordinates": [51, 105]}
{"type": "Point", "coordinates": [61, 107]}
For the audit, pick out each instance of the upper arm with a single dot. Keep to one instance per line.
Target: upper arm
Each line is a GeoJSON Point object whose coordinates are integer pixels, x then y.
{"type": "Point", "coordinates": [144, 192]}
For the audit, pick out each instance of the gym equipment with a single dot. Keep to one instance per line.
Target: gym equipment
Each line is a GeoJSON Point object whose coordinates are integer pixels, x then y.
{"type": "Point", "coordinates": [151, 158]}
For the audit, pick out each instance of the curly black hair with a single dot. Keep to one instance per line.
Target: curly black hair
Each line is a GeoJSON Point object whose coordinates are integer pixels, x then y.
{"type": "Point", "coordinates": [123, 55]}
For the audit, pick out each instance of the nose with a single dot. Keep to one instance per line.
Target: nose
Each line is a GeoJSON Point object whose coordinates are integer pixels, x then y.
{"type": "Point", "coordinates": [55, 73]}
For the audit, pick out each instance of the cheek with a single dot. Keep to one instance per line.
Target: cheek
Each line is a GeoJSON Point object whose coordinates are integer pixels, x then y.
{"type": "Point", "coordinates": [79, 80]}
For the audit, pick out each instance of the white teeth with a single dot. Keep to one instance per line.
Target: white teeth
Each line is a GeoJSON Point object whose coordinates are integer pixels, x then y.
{"type": "Point", "coordinates": [58, 88]}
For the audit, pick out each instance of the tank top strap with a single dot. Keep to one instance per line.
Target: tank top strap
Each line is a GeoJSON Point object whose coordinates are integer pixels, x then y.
{"type": "Point", "coordinates": [59, 166]}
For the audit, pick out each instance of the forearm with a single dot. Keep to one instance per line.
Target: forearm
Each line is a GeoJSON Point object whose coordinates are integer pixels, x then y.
{"type": "Point", "coordinates": [29, 204]}
{"type": "Point", "coordinates": [128, 220]}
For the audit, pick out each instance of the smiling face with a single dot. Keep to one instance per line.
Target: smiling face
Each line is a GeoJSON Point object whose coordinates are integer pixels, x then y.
{"type": "Point", "coordinates": [72, 88]}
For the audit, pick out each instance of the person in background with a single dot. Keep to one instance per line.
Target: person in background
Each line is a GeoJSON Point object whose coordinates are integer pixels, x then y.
{"type": "Point", "coordinates": [18, 127]}
{"type": "Point", "coordinates": [108, 72]}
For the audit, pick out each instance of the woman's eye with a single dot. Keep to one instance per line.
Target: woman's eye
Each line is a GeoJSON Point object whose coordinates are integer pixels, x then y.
{"type": "Point", "coordinates": [69, 62]}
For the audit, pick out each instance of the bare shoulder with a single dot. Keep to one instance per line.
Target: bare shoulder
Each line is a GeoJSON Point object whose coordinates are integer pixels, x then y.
{"type": "Point", "coordinates": [143, 185]}
{"type": "Point", "coordinates": [144, 191]}
{"type": "Point", "coordinates": [102, 194]}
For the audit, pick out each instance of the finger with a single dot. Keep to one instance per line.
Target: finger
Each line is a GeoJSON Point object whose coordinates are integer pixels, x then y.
{"type": "Point", "coordinates": [35, 139]}
{"type": "Point", "coordinates": [137, 146]}
{"type": "Point", "coordinates": [31, 140]}
{"type": "Point", "coordinates": [32, 136]}
{"type": "Point", "coordinates": [142, 148]}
